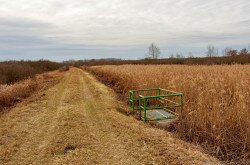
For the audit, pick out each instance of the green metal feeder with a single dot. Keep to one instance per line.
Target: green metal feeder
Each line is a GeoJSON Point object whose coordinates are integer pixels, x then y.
{"type": "Point", "coordinates": [156, 104]}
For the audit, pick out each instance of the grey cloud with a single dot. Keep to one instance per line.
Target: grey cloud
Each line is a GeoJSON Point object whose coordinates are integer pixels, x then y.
{"type": "Point", "coordinates": [14, 41]}
{"type": "Point", "coordinates": [22, 23]}
{"type": "Point", "coordinates": [91, 28]}
{"type": "Point", "coordinates": [244, 23]}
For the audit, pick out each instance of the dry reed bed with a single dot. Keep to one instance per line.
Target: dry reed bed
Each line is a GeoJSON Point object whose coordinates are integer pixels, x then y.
{"type": "Point", "coordinates": [217, 103]}
{"type": "Point", "coordinates": [9, 94]}
{"type": "Point", "coordinates": [14, 93]}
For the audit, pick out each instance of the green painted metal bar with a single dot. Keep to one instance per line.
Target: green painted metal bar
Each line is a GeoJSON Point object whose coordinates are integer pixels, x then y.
{"type": "Point", "coordinates": [148, 89]}
{"type": "Point", "coordinates": [170, 95]}
{"type": "Point", "coordinates": [133, 103]}
{"type": "Point", "coordinates": [182, 104]}
{"type": "Point", "coordinates": [159, 93]}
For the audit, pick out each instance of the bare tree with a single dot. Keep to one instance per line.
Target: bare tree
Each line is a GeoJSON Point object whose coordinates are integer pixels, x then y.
{"type": "Point", "coordinates": [225, 51]}
{"type": "Point", "coordinates": [154, 51]}
{"type": "Point", "coordinates": [190, 55]}
{"type": "Point", "coordinates": [179, 55]}
{"type": "Point", "coordinates": [171, 56]}
{"type": "Point", "coordinates": [232, 53]}
{"type": "Point", "coordinates": [243, 51]}
{"type": "Point", "coordinates": [211, 51]}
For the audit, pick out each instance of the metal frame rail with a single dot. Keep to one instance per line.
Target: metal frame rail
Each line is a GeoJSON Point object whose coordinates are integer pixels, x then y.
{"type": "Point", "coordinates": [162, 95]}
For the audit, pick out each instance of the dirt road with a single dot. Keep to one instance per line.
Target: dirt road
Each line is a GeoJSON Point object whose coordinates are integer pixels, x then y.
{"type": "Point", "coordinates": [77, 122]}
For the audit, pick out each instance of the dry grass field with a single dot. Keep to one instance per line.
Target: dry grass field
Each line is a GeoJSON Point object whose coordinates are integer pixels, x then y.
{"type": "Point", "coordinates": [77, 122]}
{"type": "Point", "coordinates": [217, 104]}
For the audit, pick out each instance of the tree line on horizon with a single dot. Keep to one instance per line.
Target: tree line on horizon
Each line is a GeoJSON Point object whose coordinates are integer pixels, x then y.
{"type": "Point", "coordinates": [154, 52]}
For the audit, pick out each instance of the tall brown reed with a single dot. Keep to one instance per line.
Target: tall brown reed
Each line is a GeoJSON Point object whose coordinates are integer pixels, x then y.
{"type": "Point", "coordinates": [217, 101]}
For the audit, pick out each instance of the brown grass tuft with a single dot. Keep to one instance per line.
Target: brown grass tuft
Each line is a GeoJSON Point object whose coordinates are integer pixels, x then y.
{"type": "Point", "coordinates": [14, 93]}
{"type": "Point", "coordinates": [10, 94]}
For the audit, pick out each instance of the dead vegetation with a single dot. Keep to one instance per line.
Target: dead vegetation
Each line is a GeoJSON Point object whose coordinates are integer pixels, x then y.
{"type": "Point", "coordinates": [13, 71]}
{"type": "Point", "coordinates": [14, 93]}
{"type": "Point", "coordinates": [19, 79]}
{"type": "Point", "coordinates": [216, 113]}
{"type": "Point", "coordinates": [64, 68]}
{"type": "Point", "coordinates": [9, 94]}
{"type": "Point", "coordinates": [178, 59]}
{"type": "Point", "coordinates": [76, 122]}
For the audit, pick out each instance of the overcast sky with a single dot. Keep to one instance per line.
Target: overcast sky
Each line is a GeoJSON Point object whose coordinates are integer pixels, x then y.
{"type": "Point", "coordinates": [85, 29]}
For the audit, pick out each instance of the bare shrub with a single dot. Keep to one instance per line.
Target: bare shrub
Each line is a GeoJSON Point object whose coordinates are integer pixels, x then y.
{"type": "Point", "coordinates": [243, 52]}
{"type": "Point", "coordinates": [211, 51]}
{"type": "Point", "coordinates": [13, 71]}
{"type": "Point", "coordinates": [64, 68]}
